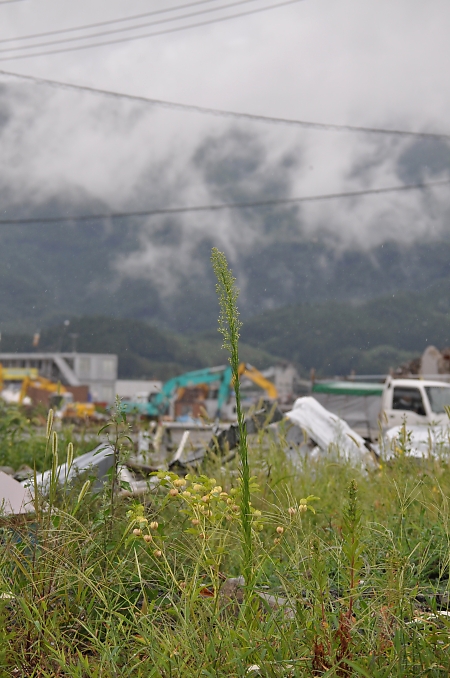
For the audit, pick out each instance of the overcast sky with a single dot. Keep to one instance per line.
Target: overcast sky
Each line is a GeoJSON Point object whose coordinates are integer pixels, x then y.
{"type": "Point", "coordinates": [375, 63]}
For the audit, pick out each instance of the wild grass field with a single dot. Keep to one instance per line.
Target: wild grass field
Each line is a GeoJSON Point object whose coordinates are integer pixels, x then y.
{"type": "Point", "coordinates": [350, 572]}
{"type": "Point", "coordinates": [268, 565]}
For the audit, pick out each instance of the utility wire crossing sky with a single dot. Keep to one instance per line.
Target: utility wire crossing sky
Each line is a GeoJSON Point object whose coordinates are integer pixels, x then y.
{"type": "Point", "coordinates": [226, 114]}
{"type": "Point", "coordinates": [224, 206]}
{"type": "Point", "coordinates": [155, 33]}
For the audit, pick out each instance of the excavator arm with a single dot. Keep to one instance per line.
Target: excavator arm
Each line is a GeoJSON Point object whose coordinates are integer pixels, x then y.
{"type": "Point", "coordinates": [247, 370]}
{"type": "Point", "coordinates": [159, 404]}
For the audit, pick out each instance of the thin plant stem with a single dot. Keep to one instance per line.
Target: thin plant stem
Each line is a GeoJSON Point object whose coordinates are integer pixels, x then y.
{"type": "Point", "coordinates": [229, 326]}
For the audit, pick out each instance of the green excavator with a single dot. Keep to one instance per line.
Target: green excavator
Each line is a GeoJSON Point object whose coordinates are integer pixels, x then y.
{"type": "Point", "coordinates": [159, 403]}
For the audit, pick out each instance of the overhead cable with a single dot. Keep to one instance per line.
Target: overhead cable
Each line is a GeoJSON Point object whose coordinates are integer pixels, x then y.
{"type": "Point", "coordinates": [127, 28]}
{"type": "Point", "coordinates": [150, 35]}
{"type": "Point", "coordinates": [224, 206]}
{"type": "Point", "coordinates": [71, 29]}
{"type": "Point", "coordinates": [223, 113]}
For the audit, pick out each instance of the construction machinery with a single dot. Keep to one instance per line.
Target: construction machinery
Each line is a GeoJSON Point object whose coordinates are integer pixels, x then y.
{"type": "Point", "coordinates": [247, 370]}
{"type": "Point", "coordinates": [13, 376]}
{"type": "Point", "coordinates": [56, 393]}
{"type": "Point", "coordinates": [16, 374]}
{"type": "Point", "coordinates": [159, 404]}
{"type": "Point", "coordinates": [57, 396]}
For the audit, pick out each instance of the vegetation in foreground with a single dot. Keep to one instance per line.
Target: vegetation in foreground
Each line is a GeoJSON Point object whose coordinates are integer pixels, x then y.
{"type": "Point", "coordinates": [91, 587]}
{"type": "Point", "coordinates": [346, 570]}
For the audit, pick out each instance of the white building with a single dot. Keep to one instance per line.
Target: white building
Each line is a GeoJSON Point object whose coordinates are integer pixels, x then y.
{"type": "Point", "coordinates": [98, 371]}
{"type": "Point", "coordinates": [135, 390]}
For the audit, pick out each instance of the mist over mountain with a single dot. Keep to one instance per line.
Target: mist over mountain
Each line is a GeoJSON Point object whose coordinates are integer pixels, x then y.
{"type": "Point", "coordinates": [157, 269]}
{"type": "Point", "coordinates": [370, 337]}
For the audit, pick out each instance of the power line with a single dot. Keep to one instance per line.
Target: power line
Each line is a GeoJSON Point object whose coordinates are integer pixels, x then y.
{"type": "Point", "coordinates": [150, 35]}
{"type": "Point", "coordinates": [127, 28]}
{"type": "Point", "coordinates": [223, 113]}
{"type": "Point", "coordinates": [7, 2]}
{"type": "Point", "coordinates": [224, 206]}
{"type": "Point", "coordinates": [60, 31]}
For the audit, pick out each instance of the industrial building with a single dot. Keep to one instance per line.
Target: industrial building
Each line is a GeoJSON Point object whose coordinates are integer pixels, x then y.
{"type": "Point", "coordinates": [98, 371]}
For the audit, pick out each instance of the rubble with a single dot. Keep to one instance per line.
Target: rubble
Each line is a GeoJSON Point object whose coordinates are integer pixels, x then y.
{"type": "Point", "coordinates": [231, 597]}
{"type": "Point", "coordinates": [431, 363]}
{"type": "Point", "coordinates": [326, 433]}
{"type": "Point", "coordinates": [420, 442]}
{"type": "Point", "coordinates": [98, 461]}
{"type": "Point", "coordinates": [228, 439]}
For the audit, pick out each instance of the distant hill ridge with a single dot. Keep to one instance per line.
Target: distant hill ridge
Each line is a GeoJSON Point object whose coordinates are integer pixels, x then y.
{"type": "Point", "coordinates": [56, 271]}
{"type": "Point", "coordinates": [333, 337]}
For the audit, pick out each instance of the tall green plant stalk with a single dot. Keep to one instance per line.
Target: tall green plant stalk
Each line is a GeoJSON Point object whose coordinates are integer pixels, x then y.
{"type": "Point", "coordinates": [116, 432]}
{"type": "Point", "coordinates": [229, 326]}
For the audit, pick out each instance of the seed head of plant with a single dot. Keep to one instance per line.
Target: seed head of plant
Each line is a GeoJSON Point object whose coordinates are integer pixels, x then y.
{"type": "Point", "coordinates": [49, 423]}
{"type": "Point", "coordinates": [69, 455]}
{"type": "Point", "coordinates": [154, 525]}
{"type": "Point", "coordinates": [227, 293]}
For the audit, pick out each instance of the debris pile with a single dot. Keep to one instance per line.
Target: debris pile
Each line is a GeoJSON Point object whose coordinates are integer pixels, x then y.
{"type": "Point", "coordinates": [418, 442]}
{"type": "Point", "coordinates": [315, 431]}
{"type": "Point", "coordinates": [432, 362]}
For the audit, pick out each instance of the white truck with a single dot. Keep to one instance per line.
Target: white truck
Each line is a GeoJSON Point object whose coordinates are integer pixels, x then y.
{"type": "Point", "coordinates": [364, 405]}
{"type": "Point", "coordinates": [416, 401]}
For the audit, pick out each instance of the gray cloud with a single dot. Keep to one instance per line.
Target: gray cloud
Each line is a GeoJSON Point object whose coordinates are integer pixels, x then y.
{"type": "Point", "coordinates": [376, 63]}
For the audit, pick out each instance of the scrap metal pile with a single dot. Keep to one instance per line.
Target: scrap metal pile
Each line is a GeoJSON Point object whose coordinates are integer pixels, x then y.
{"type": "Point", "coordinates": [310, 431]}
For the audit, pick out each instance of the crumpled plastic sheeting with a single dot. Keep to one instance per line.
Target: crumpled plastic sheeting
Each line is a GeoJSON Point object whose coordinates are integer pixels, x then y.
{"type": "Point", "coordinates": [98, 462]}
{"type": "Point", "coordinates": [422, 442]}
{"type": "Point", "coordinates": [331, 434]}
{"type": "Point", "coordinates": [14, 498]}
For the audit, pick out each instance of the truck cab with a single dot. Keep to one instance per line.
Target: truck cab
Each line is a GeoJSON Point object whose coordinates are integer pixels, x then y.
{"type": "Point", "coordinates": [416, 401]}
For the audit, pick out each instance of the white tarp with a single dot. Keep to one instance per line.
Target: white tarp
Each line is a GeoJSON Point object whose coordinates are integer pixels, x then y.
{"type": "Point", "coordinates": [14, 498]}
{"type": "Point", "coordinates": [421, 441]}
{"type": "Point", "coordinates": [97, 462]}
{"type": "Point", "coordinates": [330, 433]}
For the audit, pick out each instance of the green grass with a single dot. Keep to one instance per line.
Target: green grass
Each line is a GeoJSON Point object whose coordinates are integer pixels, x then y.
{"type": "Point", "coordinates": [362, 575]}
{"type": "Point", "coordinates": [354, 564]}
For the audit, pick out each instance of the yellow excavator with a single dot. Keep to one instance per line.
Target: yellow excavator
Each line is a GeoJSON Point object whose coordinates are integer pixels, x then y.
{"type": "Point", "coordinates": [247, 370]}
{"type": "Point", "coordinates": [59, 397]}
{"type": "Point", "coordinates": [16, 374]}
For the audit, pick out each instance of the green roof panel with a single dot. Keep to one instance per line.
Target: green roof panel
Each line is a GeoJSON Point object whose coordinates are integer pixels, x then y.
{"type": "Point", "coordinates": [348, 388]}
